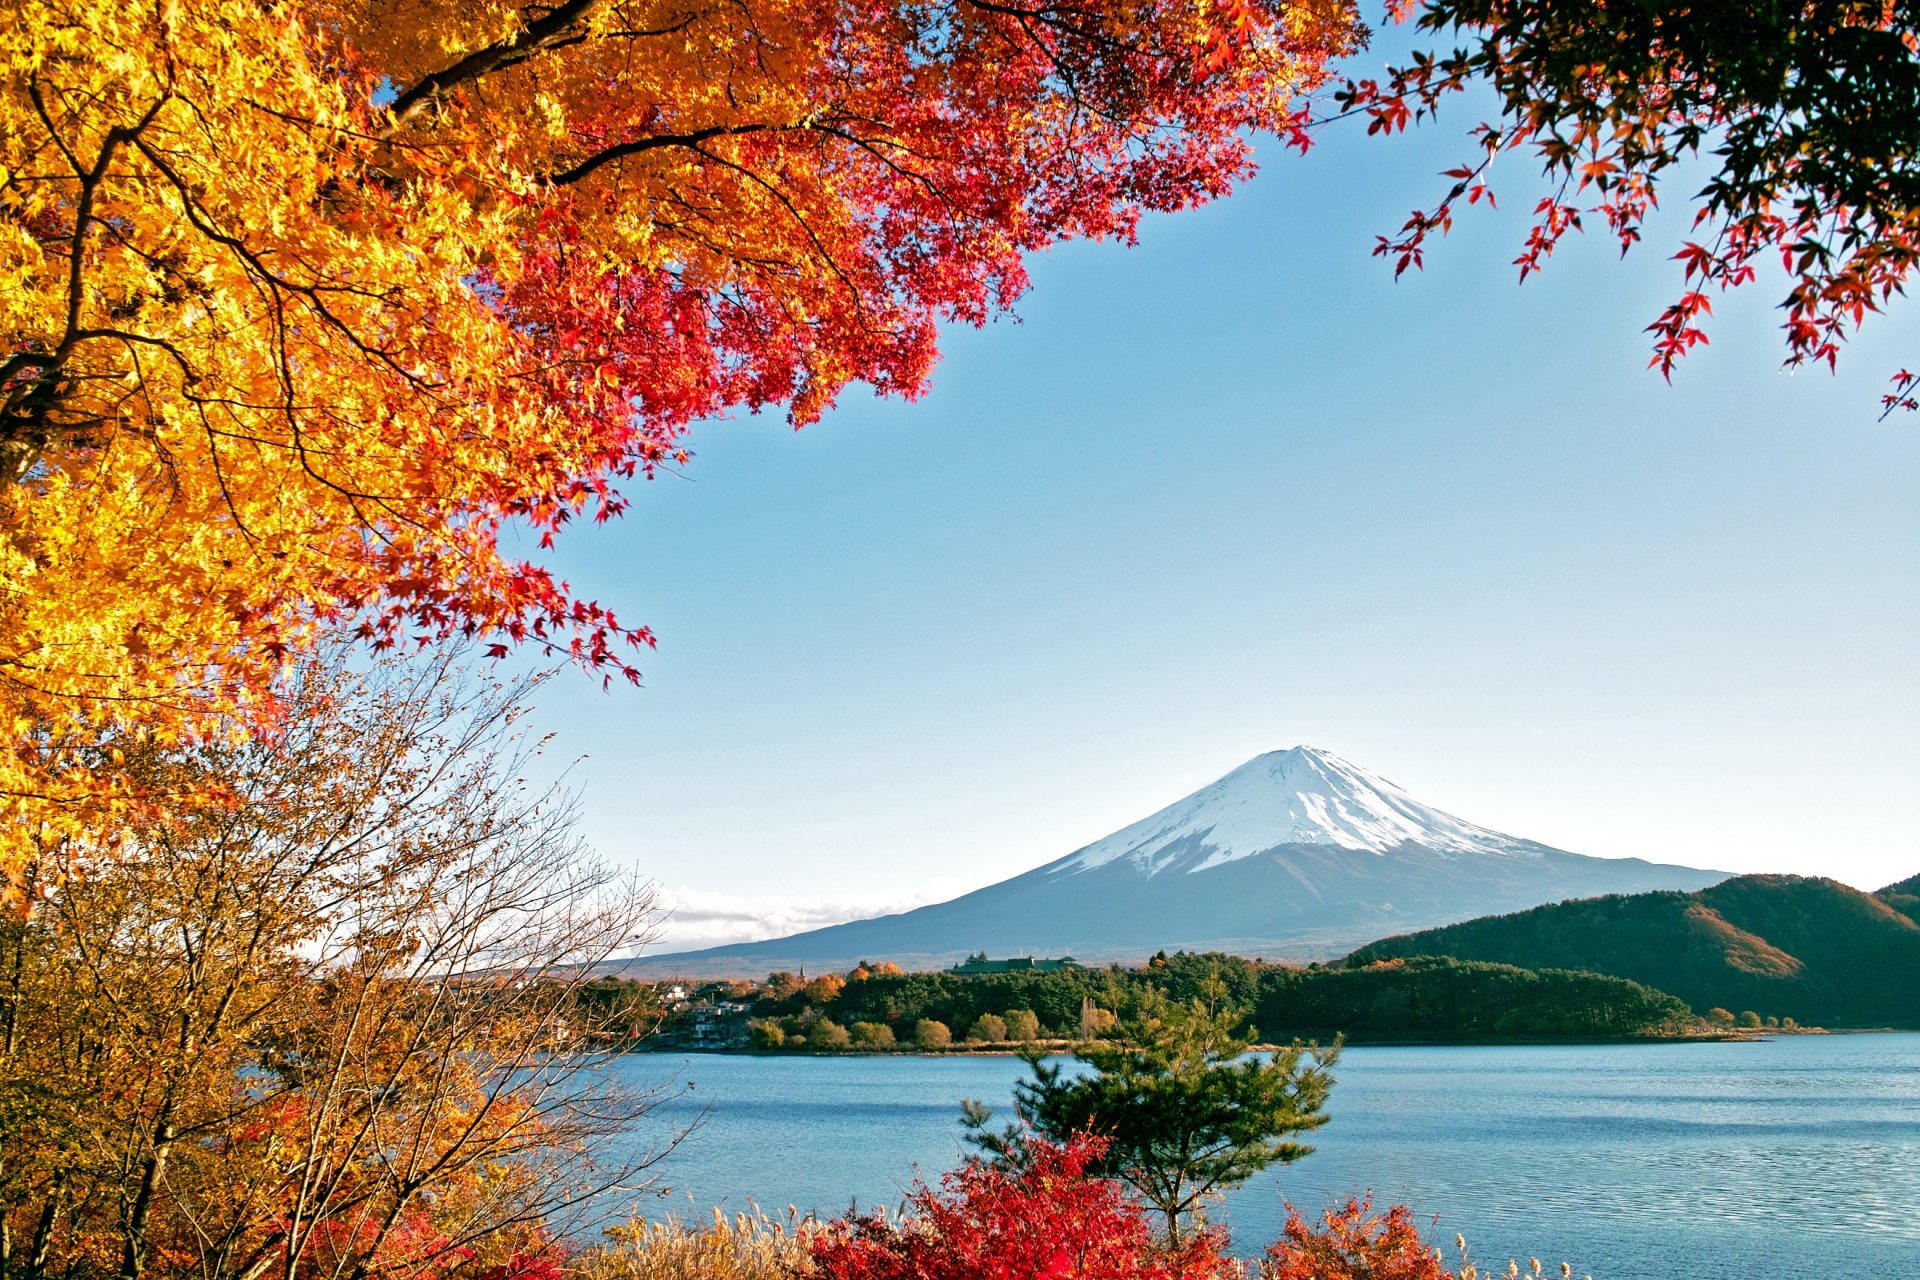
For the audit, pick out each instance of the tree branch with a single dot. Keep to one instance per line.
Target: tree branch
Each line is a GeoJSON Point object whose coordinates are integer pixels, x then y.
{"type": "Point", "coordinates": [560, 27]}
{"type": "Point", "coordinates": [624, 149]}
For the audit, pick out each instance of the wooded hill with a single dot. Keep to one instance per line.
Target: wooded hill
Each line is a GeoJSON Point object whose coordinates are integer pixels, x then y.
{"type": "Point", "coordinates": [1903, 897]}
{"type": "Point", "coordinates": [1810, 949]}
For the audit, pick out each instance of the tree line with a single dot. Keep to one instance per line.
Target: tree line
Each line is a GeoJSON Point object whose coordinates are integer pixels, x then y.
{"type": "Point", "coordinates": [1426, 998]}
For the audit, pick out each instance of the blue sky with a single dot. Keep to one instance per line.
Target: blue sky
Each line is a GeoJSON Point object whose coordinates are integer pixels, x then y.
{"type": "Point", "coordinates": [1235, 489]}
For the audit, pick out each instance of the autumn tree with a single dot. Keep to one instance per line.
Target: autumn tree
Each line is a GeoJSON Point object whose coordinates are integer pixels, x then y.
{"type": "Point", "coordinates": [1095, 1021]}
{"type": "Point", "coordinates": [823, 989]}
{"type": "Point", "coordinates": [1799, 123]}
{"type": "Point", "coordinates": [1184, 1109]}
{"type": "Point", "coordinates": [319, 311]}
{"type": "Point", "coordinates": [872, 1035]}
{"type": "Point", "coordinates": [988, 1028]}
{"type": "Point", "coordinates": [332, 1026]}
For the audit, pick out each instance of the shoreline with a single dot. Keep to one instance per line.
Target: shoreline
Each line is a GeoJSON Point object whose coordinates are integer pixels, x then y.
{"type": "Point", "coordinates": [1063, 1048]}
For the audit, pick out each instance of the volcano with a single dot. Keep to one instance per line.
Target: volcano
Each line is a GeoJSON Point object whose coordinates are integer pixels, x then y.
{"type": "Point", "coordinates": [1296, 854]}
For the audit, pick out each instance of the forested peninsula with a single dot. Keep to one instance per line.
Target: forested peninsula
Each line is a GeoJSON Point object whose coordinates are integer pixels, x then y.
{"type": "Point", "coordinates": [880, 1008]}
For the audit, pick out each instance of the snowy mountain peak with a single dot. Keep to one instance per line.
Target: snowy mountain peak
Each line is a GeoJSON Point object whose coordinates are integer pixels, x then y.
{"type": "Point", "coordinates": [1299, 796]}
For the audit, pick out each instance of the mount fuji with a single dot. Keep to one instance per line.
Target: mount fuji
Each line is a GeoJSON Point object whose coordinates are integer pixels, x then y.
{"type": "Point", "coordinates": [1294, 855]}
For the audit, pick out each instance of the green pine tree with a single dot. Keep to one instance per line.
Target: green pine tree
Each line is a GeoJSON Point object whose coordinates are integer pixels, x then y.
{"type": "Point", "coordinates": [1187, 1110]}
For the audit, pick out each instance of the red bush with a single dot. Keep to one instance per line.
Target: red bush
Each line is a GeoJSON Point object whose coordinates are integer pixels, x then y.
{"type": "Point", "coordinates": [1046, 1220]}
{"type": "Point", "coordinates": [1353, 1243]}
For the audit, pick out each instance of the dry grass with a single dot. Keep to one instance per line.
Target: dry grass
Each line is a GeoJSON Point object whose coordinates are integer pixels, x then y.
{"type": "Point", "coordinates": [747, 1246]}
{"type": "Point", "coordinates": [754, 1246]}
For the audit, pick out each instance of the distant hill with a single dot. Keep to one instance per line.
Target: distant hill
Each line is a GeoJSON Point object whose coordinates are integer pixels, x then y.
{"type": "Point", "coordinates": [1296, 854]}
{"type": "Point", "coordinates": [1790, 946]}
{"type": "Point", "coordinates": [1903, 897]}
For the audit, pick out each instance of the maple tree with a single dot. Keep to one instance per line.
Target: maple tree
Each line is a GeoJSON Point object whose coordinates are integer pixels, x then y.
{"type": "Point", "coordinates": [1804, 117]}
{"type": "Point", "coordinates": [311, 311]}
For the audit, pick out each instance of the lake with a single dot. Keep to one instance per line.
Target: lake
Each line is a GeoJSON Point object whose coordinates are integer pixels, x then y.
{"type": "Point", "coordinates": [1705, 1161]}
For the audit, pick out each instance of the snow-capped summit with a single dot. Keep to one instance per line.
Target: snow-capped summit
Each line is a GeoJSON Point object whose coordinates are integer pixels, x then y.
{"type": "Point", "coordinates": [1294, 854]}
{"type": "Point", "coordinates": [1300, 796]}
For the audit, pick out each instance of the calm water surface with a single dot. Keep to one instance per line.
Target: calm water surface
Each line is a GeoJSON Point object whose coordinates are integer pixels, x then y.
{"type": "Point", "coordinates": [1787, 1158]}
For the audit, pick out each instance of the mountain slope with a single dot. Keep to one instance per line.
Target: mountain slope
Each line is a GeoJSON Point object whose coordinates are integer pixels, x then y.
{"type": "Point", "coordinates": [1903, 897]}
{"type": "Point", "coordinates": [1296, 854]}
{"type": "Point", "coordinates": [1792, 946]}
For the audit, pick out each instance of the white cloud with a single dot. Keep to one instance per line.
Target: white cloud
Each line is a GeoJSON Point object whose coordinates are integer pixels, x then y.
{"type": "Point", "coordinates": [709, 918]}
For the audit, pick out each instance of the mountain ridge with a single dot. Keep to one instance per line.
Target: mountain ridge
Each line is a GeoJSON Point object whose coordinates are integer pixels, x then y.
{"type": "Point", "coordinates": [1803, 947]}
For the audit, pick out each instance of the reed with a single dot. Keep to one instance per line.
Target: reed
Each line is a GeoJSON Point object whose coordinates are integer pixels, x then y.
{"type": "Point", "coordinates": [746, 1246]}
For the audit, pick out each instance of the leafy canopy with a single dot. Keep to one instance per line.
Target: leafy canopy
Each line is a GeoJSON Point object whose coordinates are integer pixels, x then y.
{"type": "Point", "coordinates": [317, 311]}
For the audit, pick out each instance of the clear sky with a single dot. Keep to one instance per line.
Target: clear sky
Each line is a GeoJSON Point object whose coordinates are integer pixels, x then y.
{"type": "Point", "coordinates": [1235, 489]}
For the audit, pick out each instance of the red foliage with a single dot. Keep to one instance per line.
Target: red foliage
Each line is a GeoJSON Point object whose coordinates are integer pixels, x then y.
{"type": "Point", "coordinates": [1353, 1243]}
{"type": "Point", "coordinates": [1044, 1221]}
{"type": "Point", "coordinates": [1791, 109]}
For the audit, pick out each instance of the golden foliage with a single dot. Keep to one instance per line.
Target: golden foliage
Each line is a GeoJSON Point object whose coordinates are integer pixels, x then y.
{"type": "Point", "coordinates": [310, 310]}
{"type": "Point", "coordinates": [330, 1028]}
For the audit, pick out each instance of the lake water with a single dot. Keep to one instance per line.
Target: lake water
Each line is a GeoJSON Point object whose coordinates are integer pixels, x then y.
{"type": "Point", "coordinates": [1730, 1161]}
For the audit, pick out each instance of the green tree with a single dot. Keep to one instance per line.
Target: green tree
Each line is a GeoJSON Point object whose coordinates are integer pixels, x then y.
{"type": "Point", "coordinates": [1022, 1025]}
{"type": "Point", "coordinates": [1749, 1020]}
{"type": "Point", "coordinates": [829, 1035]}
{"type": "Point", "coordinates": [929, 1034]}
{"type": "Point", "coordinates": [1188, 1111]}
{"type": "Point", "coordinates": [766, 1034]}
{"type": "Point", "coordinates": [873, 1035]}
{"type": "Point", "coordinates": [1719, 1017]}
{"type": "Point", "coordinates": [989, 1028]}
